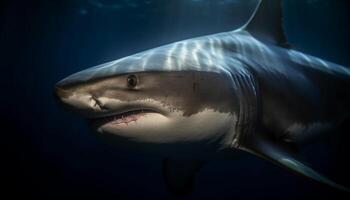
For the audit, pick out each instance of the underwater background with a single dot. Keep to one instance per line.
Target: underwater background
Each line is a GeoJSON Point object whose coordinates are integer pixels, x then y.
{"type": "Point", "coordinates": [50, 154]}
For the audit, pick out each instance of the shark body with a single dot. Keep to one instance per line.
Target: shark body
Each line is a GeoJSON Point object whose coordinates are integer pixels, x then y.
{"type": "Point", "coordinates": [211, 96]}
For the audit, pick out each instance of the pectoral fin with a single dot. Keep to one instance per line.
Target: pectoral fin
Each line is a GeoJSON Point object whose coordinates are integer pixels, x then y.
{"type": "Point", "coordinates": [280, 156]}
{"type": "Point", "coordinates": [179, 175]}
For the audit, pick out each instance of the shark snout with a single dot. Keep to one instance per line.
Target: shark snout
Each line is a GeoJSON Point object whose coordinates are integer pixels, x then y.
{"type": "Point", "coordinates": [77, 102]}
{"type": "Point", "coordinates": [60, 92]}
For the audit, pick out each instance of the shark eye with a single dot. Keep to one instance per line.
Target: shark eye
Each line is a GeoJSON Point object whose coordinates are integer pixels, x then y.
{"type": "Point", "coordinates": [132, 81]}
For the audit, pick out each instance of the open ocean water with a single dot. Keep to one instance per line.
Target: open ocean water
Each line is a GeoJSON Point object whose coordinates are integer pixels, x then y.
{"type": "Point", "coordinates": [51, 154]}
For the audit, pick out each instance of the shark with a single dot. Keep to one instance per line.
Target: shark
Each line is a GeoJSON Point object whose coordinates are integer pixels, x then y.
{"type": "Point", "coordinates": [215, 97]}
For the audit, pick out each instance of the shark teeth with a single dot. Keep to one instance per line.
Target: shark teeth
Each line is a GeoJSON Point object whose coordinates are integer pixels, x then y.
{"type": "Point", "coordinates": [125, 118]}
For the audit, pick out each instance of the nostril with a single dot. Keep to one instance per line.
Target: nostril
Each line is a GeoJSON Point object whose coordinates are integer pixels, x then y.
{"type": "Point", "coordinates": [99, 104]}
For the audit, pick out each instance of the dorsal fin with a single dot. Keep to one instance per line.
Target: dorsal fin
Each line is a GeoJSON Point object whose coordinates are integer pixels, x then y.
{"type": "Point", "coordinates": [267, 22]}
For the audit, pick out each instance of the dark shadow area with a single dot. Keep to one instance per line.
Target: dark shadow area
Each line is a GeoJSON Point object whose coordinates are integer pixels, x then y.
{"type": "Point", "coordinates": [49, 154]}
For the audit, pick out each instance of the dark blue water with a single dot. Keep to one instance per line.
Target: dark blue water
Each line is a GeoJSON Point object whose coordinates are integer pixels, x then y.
{"type": "Point", "coordinates": [48, 153]}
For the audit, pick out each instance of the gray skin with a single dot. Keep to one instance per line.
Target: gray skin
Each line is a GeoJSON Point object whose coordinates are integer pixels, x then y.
{"type": "Point", "coordinates": [210, 97]}
{"type": "Point", "coordinates": [189, 92]}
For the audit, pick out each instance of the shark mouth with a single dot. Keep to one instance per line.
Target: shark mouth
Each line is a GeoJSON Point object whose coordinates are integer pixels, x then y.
{"type": "Point", "coordinates": [122, 118]}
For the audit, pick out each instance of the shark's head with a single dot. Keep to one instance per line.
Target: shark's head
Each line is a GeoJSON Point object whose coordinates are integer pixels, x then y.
{"type": "Point", "coordinates": [162, 97]}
